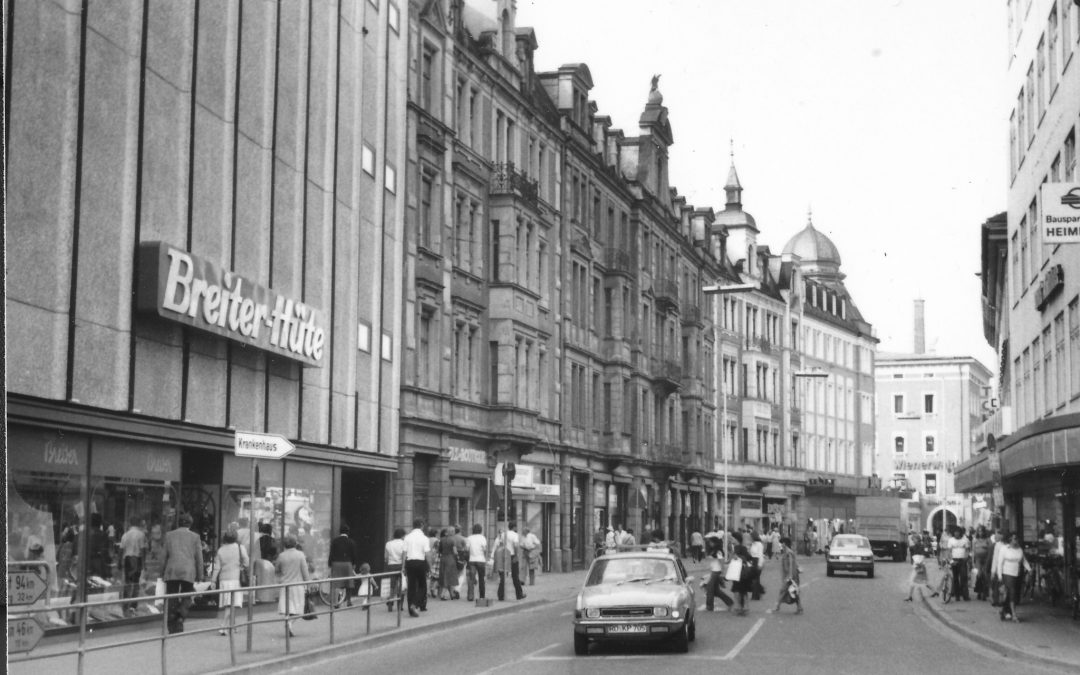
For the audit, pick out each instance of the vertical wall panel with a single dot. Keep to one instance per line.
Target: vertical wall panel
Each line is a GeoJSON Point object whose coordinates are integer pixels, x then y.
{"type": "Point", "coordinates": [212, 194]}
{"type": "Point", "coordinates": [40, 193]}
{"type": "Point", "coordinates": [165, 175]}
{"type": "Point", "coordinates": [318, 227]}
{"type": "Point", "coordinates": [106, 256]}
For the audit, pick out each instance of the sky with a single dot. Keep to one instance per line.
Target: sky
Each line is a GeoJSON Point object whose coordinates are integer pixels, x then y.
{"type": "Point", "coordinates": [887, 119]}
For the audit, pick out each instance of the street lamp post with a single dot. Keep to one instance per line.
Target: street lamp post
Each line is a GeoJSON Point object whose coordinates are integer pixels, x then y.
{"type": "Point", "coordinates": [717, 289]}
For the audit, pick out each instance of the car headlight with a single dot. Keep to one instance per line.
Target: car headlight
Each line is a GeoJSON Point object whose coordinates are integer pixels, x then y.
{"type": "Point", "coordinates": [592, 613]}
{"type": "Point", "coordinates": [659, 611]}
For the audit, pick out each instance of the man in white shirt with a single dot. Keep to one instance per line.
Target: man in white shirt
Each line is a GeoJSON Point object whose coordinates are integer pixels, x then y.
{"type": "Point", "coordinates": [394, 560]}
{"type": "Point", "coordinates": [959, 551]}
{"type": "Point", "coordinates": [416, 567]}
{"type": "Point", "coordinates": [133, 549]}
{"type": "Point", "coordinates": [477, 544]}
{"type": "Point", "coordinates": [513, 549]}
{"type": "Point", "coordinates": [995, 562]}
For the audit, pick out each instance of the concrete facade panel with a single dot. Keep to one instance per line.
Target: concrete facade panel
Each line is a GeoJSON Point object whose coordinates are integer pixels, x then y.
{"type": "Point", "coordinates": [207, 381]}
{"type": "Point", "coordinates": [158, 371]}
{"type": "Point", "coordinates": [166, 130]}
{"type": "Point", "coordinates": [283, 398]}
{"type": "Point", "coordinates": [101, 365]}
{"type": "Point", "coordinates": [247, 390]}
{"type": "Point", "coordinates": [254, 202]}
{"type": "Point", "coordinates": [36, 350]}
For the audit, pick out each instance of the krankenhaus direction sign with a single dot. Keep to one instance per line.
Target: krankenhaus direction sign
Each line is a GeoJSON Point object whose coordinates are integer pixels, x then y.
{"type": "Point", "coordinates": [180, 286]}
{"type": "Point", "coordinates": [1060, 213]}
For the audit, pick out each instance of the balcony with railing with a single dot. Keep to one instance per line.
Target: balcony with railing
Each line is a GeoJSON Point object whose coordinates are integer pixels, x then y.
{"type": "Point", "coordinates": [666, 292]}
{"type": "Point", "coordinates": [618, 261]}
{"type": "Point", "coordinates": [668, 375]}
{"type": "Point", "coordinates": [507, 180]}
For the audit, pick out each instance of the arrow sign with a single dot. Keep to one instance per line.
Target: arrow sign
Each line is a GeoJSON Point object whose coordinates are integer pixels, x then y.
{"type": "Point", "coordinates": [261, 446]}
{"type": "Point", "coordinates": [25, 587]}
{"type": "Point", "coordinates": [23, 634]}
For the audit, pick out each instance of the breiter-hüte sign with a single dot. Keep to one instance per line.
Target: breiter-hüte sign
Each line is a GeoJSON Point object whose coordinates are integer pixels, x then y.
{"type": "Point", "coordinates": [1060, 213]}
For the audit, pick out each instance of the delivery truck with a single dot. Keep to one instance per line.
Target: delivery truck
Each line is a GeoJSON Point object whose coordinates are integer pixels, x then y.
{"type": "Point", "coordinates": [883, 520]}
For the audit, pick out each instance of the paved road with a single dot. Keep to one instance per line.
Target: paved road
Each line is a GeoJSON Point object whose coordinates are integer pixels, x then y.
{"type": "Point", "coordinates": [852, 625]}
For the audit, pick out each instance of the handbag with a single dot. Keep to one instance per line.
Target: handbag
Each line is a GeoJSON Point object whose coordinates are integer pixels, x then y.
{"type": "Point", "coordinates": [309, 609]}
{"type": "Point", "coordinates": [245, 577]}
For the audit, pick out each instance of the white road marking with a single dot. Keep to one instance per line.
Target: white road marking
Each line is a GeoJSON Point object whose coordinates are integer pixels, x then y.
{"type": "Point", "coordinates": [566, 613]}
{"type": "Point", "coordinates": [527, 657]}
{"type": "Point", "coordinates": [744, 641]}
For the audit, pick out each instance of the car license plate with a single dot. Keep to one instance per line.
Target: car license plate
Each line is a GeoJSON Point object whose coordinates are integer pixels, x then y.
{"type": "Point", "coordinates": [627, 628]}
{"type": "Point", "coordinates": [851, 557]}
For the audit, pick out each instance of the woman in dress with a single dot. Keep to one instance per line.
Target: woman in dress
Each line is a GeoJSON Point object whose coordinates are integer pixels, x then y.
{"type": "Point", "coordinates": [291, 567]}
{"type": "Point", "coordinates": [741, 586]}
{"type": "Point", "coordinates": [230, 559]}
{"type": "Point", "coordinates": [448, 570]}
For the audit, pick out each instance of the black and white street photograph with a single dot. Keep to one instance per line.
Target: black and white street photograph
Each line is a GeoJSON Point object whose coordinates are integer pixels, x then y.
{"type": "Point", "coordinates": [533, 337]}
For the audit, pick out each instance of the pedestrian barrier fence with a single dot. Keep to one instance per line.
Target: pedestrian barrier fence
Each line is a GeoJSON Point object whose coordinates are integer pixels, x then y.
{"type": "Point", "coordinates": [25, 622]}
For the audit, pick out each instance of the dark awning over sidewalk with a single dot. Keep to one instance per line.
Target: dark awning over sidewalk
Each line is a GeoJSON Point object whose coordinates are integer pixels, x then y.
{"type": "Point", "coordinates": [1047, 444]}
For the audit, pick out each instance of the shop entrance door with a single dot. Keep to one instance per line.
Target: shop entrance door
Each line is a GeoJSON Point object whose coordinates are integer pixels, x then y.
{"type": "Point", "coordinates": [363, 507]}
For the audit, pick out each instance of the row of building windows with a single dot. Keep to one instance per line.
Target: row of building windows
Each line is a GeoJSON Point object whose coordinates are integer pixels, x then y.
{"type": "Point", "coordinates": [1047, 372]}
{"type": "Point", "coordinates": [1052, 58]}
{"type": "Point", "coordinates": [900, 443]}
{"type": "Point", "coordinates": [900, 405]}
{"type": "Point", "coordinates": [1028, 260]}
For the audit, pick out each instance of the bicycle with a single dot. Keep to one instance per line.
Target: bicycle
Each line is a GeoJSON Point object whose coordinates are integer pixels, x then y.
{"type": "Point", "coordinates": [946, 582]}
{"type": "Point", "coordinates": [333, 597]}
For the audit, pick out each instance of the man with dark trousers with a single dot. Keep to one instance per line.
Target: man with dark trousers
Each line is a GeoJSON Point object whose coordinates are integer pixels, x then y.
{"type": "Point", "coordinates": [417, 547]}
{"type": "Point", "coordinates": [514, 550]}
{"type": "Point", "coordinates": [183, 565]}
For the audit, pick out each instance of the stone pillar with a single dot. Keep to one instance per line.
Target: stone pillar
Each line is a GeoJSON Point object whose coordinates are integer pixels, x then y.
{"type": "Point", "coordinates": [634, 520]}
{"type": "Point", "coordinates": [566, 499]}
{"type": "Point", "coordinates": [665, 506]}
{"type": "Point", "coordinates": [590, 524]}
{"type": "Point", "coordinates": [555, 546]}
{"type": "Point", "coordinates": [403, 493]}
{"type": "Point", "coordinates": [438, 500]}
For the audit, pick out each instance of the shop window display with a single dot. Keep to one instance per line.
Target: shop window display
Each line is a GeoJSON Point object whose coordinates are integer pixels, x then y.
{"type": "Point", "coordinates": [306, 513]}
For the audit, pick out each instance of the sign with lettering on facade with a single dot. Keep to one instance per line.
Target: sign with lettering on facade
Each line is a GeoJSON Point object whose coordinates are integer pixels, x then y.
{"type": "Point", "coordinates": [467, 455]}
{"type": "Point", "coordinates": [26, 586]}
{"type": "Point", "coordinates": [1060, 213]}
{"type": "Point", "coordinates": [523, 475]}
{"type": "Point", "coordinates": [932, 465]}
{"type": "Point", "coordinates": [179, 286]}
{"type": "Point", "coordinates": [261, 446]}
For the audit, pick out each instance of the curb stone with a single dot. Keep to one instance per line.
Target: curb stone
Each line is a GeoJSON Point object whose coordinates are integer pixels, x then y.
{"type": "Point", "coordinates": [999, 647]}
{"type": "Point", "coordinates": [289, 661]}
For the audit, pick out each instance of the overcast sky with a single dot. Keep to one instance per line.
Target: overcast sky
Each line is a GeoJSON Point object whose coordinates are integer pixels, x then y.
{"type": "Point", "coordinates": [889, 118]}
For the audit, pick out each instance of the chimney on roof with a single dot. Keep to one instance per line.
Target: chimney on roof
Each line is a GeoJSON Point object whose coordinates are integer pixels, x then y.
{"type": "Point", "coordinates": [920, 326]}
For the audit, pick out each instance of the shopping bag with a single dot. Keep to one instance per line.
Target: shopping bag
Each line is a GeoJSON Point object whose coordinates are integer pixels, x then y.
{"type": "Point", "coordinates": [734, 570]}
{"type": "Point", "coordinates": [159, 592]}
{"type": "Point", "coordinates": [309, 609]}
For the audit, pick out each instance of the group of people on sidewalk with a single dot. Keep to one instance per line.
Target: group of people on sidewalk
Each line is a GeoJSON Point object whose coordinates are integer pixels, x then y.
{"type": "Point", "coordinates": [739, 558]}
{"type": "Point", "coordinates": [437, 563]}
{"type": "Point", "coordinates": [995, 560]}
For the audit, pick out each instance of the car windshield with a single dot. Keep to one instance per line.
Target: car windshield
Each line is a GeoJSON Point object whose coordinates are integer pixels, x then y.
{"type": "Point", "coordinates": [850, 542]}
{"type": "Point", "coordinates": [631, 571]}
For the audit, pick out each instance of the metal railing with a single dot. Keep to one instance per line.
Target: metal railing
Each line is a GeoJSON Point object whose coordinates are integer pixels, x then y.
{"type": "Point", "coordinates": [235, 623]}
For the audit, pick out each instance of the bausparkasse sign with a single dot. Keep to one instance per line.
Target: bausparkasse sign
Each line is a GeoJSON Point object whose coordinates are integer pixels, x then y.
{"type": "Point", "coordinates": [180, 286]}
{"type": "Point", "coordinates": [1061, 213]}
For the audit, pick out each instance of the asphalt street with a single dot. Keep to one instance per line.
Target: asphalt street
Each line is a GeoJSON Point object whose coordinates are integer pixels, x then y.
{"type": "Point", "coordinates": [851, 625]}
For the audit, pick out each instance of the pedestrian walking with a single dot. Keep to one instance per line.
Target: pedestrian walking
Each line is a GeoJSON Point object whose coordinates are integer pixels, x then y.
{"type": "Point", "coordinates": [417, 547]}
{"type": "Point", "coordinates": [980, 560]}
{"type": "Point", "coordinates": [132, 550]}
{"type": "Point", "coordinates": [433, 559]}
{"type": "Point", "coordinates": [789, 574]}
{"type": "Point", "coordinates": [995, 558]}
{"type": "Point", "coordinates": [773, 547]}
{"type": "Point", "coordinates": [477, 569]}
{"type": "Point", "coordinates": [513, 550]}
{"type": "Point", "coordinates": [183, 565]}
{"type": "Point", "coordinates": [291, 567]}
{"type": "Point", "coordinates": [530, 547]}
{"type": "Point", "coordinates": [598, 542]}
{"type": "Point", "coordinates": [918, 572]}
{"type": "Point", "coordinates": [1008, 570]}
{"type": "Point", "coordinates": [501, 564]}
{"type": "Point", "coordinates": [394, 561]}
{"type": "Point", "coordinates": [697, 546]}
{"type": "Point", "coordinates": [757, 551]}
{"type": "Point", "coordinates": [714, 551]}
{"type": "Point", "coordinates": [741, 581]}
{"type": "Point", "coordinates": [231, 558]}
{"type": "Point", "coordinates": [448, 571]}
{"type": "Point", "coordinates": [343, 562]}
{"type": "Point", "coordinates": [959, 549]}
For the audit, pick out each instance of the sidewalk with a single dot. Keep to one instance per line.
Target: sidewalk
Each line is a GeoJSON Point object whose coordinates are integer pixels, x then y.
{"type": "Point", "coordinates": [208, 652]}
{"type": "Point", "coordinates": [1045, 634]}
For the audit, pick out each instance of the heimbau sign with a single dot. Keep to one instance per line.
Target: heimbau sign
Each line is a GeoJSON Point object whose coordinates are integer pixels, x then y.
{"type": "Point", "coordinates": [183, 287]}
{"type": "Point", "coordinates": [1061, 213]}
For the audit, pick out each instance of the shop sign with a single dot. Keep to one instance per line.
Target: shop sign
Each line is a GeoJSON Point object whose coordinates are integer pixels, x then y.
{"type": "Point", "coordinates": [23, 634]}
{"type": "Point", "coordinates": [776, 509]}
{"type": "Point", "coordinates": [546, 489]}
{"type": "Point", "coordinates": [1052, 282]}
{"type": "Point", "coordinates": [118, 458]}
{"type": "Point", "coordinates": [1061, 213]}
{"type": "Point", "coordinates": [748, 504]}
{"type": "Point", "coordinates": [468, 456]}
{"type": "Point", "coordinates": [910, 465]}
{"type": "Point", "coordinates": [523, 475]}
{"type": "Point", "coordinates": [183, 287]}
{"type": "Point", "coordinates": [999, 496]}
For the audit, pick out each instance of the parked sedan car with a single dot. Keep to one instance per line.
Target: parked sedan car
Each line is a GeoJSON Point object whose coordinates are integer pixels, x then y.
{"type": "Point", "coordinates": [635, 596]}
{"type": "Point", "coordinates": [850, 553]}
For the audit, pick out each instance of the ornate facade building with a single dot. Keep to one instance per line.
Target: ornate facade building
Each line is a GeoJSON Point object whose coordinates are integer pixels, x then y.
{"type": "Point", "coordinates": [556, 319]}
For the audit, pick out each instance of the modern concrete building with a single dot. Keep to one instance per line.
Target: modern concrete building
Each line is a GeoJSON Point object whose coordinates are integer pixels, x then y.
{"type": "Point", "coordinates": [204, 216]}
{"type": "Point", "coordinates": [928, 408]}
{"type": "Point", "coordinates": [1031, 293]}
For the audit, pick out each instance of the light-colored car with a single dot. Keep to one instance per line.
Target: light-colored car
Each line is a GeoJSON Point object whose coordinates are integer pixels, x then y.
{"type": "Point", "coordinates": [850, 553]}
{"type": "Point", "coordinates": [635, 596]}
